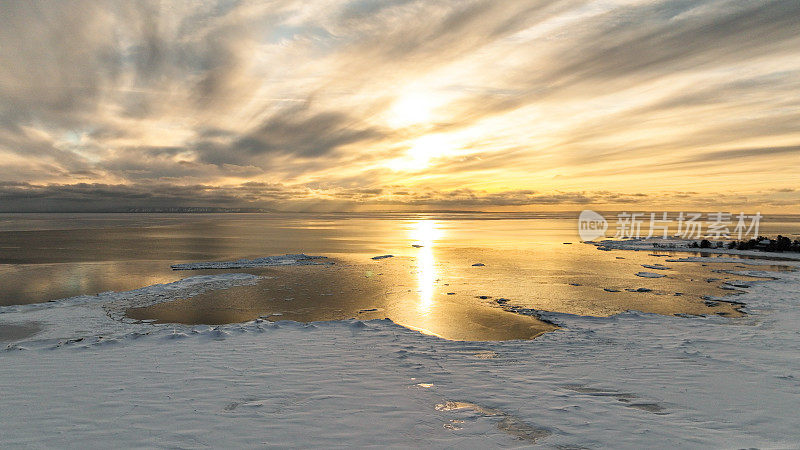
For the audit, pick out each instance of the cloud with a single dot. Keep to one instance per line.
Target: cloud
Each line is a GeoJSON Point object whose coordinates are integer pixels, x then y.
{"type": "Point", "coordinates": [296, 131]}
{"type": "Point", "coordinates": [528, 103]}
{"type": "Point", "coordinates": [93, 197]}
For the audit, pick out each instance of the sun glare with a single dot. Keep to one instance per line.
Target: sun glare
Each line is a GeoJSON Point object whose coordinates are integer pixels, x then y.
{"type": "Point", "coordinates": [421, 152]}
{"type": "Point", "coordinates": [411, 109]}
{"type": "Point", "coordinates": [425, 234]}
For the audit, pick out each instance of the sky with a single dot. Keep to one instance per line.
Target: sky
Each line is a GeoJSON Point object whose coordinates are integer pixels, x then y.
{"type": "Point", "coordinates": [400, 105]}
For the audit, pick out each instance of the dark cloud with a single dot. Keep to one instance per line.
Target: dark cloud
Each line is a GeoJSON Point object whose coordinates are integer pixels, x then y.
{"type": "Point", "coordinates": [303, 133]}
{"type": "Point", "coordinates": [122, 197]}
{"type": "Point", "coordinates": [22, 196]}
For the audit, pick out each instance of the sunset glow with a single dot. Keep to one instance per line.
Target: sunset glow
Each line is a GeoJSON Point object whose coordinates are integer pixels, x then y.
{"type": "Point", "coordinates": [399, 223]}
{"type": "Point", "coordinates": [400, 105]}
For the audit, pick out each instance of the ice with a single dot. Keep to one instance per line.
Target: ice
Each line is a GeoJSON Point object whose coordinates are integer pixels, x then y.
{"type": "Point", "coordinates": [383, 257]}
{"type": "Point", "coordinates": [282, 260]}
{"type": "Point", "coordinates": [683, 245]}
{"type": "Point", "coordinates": [656, 266]}
{"type": "Point", "coordinates": [649, 275]}
{"type": "Point", "coordinates": [507, 423]}
{"type": "Point", "coordinates": [632, 380]}
{"type": "Point", "coordinates": [157, 293]}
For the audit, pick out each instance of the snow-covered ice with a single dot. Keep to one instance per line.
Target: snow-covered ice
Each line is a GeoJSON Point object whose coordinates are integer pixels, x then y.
{"type": "Point", "coordinates": [157, 293]}
{"type": "Point", "coordinates": [282, 260]}
{"type": "Point", "coordinates": [632, 380]}
{"type": "Point", "coordinates": [684, 245]}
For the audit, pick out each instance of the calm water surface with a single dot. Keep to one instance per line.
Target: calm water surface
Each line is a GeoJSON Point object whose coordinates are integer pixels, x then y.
{"type": "Point", "coordinates": [533, 261]}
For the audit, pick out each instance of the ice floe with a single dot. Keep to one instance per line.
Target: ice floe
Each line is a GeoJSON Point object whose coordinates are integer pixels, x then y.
{"type": "Point", "coordinates": [383, 257]}
{"type": "Point", "coordinates": [281, 260]}
{"type": "Point", "coordinates": [656, 266]}
{"type": "Point", "coordinates": [649, 275]}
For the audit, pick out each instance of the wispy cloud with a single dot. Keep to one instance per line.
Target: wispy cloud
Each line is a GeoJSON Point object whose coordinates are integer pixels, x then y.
{"type": "Point", "coordinates": [397, 103]}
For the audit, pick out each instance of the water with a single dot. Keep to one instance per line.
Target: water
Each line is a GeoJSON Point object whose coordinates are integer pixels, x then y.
{"type": "Point", "coordinates": [531, 261]}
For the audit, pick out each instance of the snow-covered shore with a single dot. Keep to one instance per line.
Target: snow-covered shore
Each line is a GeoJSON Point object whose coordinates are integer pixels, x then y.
{"type": "Point", "coordinates": [684, 245]}
{"type": "Point", "coordinates": [627, 381]}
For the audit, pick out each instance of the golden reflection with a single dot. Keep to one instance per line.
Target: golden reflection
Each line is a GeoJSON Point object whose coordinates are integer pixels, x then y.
{"type": "Point", "coordinates": [425, 233]}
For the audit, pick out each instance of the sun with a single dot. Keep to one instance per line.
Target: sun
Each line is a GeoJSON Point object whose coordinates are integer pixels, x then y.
{"type": "Point", "coordinates": [411, 109]}
{"type": "Point", "coordinates": [421, 151]}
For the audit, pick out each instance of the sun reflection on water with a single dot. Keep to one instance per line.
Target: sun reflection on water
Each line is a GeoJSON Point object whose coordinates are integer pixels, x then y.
{"type": "Point", "coordinates": [425, 233]}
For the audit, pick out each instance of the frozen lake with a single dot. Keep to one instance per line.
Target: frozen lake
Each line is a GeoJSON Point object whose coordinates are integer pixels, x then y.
{"type": "Point", "coordinates": [99, 351]}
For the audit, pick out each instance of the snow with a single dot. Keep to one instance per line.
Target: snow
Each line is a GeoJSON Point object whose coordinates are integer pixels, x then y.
{"type": "Point", "coordinates": [283, 260]}
{"type": "Point", "coordinates": [632, 380]}
{"type": "Point", "coordinates": [683, 245]}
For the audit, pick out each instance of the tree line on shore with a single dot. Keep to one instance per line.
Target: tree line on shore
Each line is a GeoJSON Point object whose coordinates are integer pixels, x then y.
{"type": "Point", "coordinates": [779, 244]}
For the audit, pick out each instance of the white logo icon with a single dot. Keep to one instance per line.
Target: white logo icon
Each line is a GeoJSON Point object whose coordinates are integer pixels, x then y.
{"type": "Point", "coordinates": [591, 225]}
